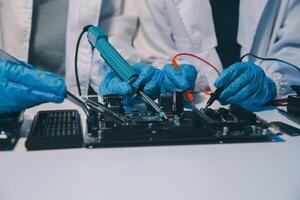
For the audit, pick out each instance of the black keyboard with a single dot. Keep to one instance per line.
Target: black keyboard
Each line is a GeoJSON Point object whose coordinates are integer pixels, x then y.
{"type": "Point", "coordinates": [55, 129]}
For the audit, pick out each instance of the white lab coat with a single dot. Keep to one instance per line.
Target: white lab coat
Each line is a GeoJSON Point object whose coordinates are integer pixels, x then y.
{"type": "Point", "coordinates": [164, 27]}
{"type": "Point", "coordinates": [15, 23]}
{"type": "Point", "coordinates": [15, 30]}
{"type": "Point", "coordinates": [169, 26]}
{"type": "Point", "coordinates": [284, 42]}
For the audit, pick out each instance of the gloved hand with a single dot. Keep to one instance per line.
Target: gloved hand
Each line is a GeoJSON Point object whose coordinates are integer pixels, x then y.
{"type": "Point", "coordinates": [23, 86]}
{"type": "Point", "coordinates": [149, 79]}
{"type": "Point", "coordinates": [245, 84]}
{"type": "Point", "coordinates": [183, 79]}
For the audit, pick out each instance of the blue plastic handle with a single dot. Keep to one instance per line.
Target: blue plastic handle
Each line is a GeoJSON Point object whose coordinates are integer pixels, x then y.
{"type": "Point", "coordinates": [99, 39]}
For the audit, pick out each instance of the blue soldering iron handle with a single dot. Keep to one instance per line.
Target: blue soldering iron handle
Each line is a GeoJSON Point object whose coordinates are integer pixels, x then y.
{"type": "Point", "coordinates": [99, 39]}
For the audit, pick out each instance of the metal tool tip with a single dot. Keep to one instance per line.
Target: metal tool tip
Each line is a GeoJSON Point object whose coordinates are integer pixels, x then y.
{"type": "Point", "coordinates": [206, 107]}
{"type": "Point", "coordinates": [163, 115]}
{"type": "Point", "coordinates": [193, 104]}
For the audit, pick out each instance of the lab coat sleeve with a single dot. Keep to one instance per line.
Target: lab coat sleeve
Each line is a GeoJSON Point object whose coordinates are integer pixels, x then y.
{"type": "Point", "coordinates": [167, 27]}
{"type": "Point", "coordinates": [286, 47]}
{"type": "Point", "coordinates": [163, 29]}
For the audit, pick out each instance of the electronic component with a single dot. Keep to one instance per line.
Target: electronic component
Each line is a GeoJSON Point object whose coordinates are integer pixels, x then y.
{"type": "Point", "coordinates": [114, 102]}
{"type": "Point", "coordinates": [182, 127]}
{"type": "Point", "coordinates": [99, 108]}
{"type": "Point", "coordinates": [292, 111]}
{"type": "Point", "coordinates": [286, 128]}
{"type": "Point", "coordinates": [172, 103]}
{"type": "Point", "coordinates": [55, 129]}
{"type": "Point", "coordinates": [293, 105]}
{"type": "Point", "coordinates": [110, 125]}
{"type": "Point", "coordinates": [10, 125]}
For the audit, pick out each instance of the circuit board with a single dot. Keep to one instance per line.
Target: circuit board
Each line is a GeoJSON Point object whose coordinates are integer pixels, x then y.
{"type": "Point", "coordinates": [197, 126]}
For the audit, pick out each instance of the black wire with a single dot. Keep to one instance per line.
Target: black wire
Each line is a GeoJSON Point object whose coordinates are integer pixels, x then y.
{"type": "Point", "coordinates": [85, 29]}
{"type": "Point", "coordinates": [270, 59]}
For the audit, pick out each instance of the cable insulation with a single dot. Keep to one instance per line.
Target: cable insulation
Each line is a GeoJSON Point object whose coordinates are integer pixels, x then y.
{"type": "Point", "coordinates": [188, 93]}
{"type": "Point", "coordinates": [85, 29]}
{"type": "Point", "coordinates": [270, 59]}
{"type": "Point", "coordinates": [174, 61]}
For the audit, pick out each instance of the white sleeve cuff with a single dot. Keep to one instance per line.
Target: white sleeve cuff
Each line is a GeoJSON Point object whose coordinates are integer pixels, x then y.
{"type": "Point", "coordinates": [283, 76]}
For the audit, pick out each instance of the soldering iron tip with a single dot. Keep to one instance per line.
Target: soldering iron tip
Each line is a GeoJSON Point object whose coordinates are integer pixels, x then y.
{"type": "Point", "coordinates": [163, 115]}
{"type": "Point", "coordinates": [206, 106]}
{"type": "Point", "coordinates": [193, 104]}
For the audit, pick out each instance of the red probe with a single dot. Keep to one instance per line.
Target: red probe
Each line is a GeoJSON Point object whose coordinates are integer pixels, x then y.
{"type": "Point", "coordinates": [188, 93]}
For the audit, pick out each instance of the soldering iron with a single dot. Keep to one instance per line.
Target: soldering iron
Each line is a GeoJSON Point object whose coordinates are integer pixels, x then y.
{"type": "Point", "coordinates": [99, 40]}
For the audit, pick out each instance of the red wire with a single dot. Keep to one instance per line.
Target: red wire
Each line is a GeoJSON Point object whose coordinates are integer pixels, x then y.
{"type": "Point", "coordinates": [174, 62]}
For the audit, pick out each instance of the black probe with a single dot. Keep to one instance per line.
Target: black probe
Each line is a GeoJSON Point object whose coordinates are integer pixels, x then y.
{"type": "Point", "coordinates": [214, 96]}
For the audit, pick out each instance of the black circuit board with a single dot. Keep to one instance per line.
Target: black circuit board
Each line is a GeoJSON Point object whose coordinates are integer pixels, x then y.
{"type": "Point", "coordinates": [182, 127]}
{"type": "Point", "coordinates": [112, 125]}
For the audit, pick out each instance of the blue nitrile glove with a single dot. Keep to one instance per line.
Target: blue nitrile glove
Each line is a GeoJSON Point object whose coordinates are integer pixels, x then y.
{"type": "Point", "coordinates": [245, 84]}
{"type": "Point", "coordinates": [183, 79]}
{"type": "Point", "coordinates": [23, 86]}
{"type": "Point", "coordinates": [149, 79]}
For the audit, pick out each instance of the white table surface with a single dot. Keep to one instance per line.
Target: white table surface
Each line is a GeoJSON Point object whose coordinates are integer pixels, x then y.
{"type": "Point", "coordinates": [254, 171]}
